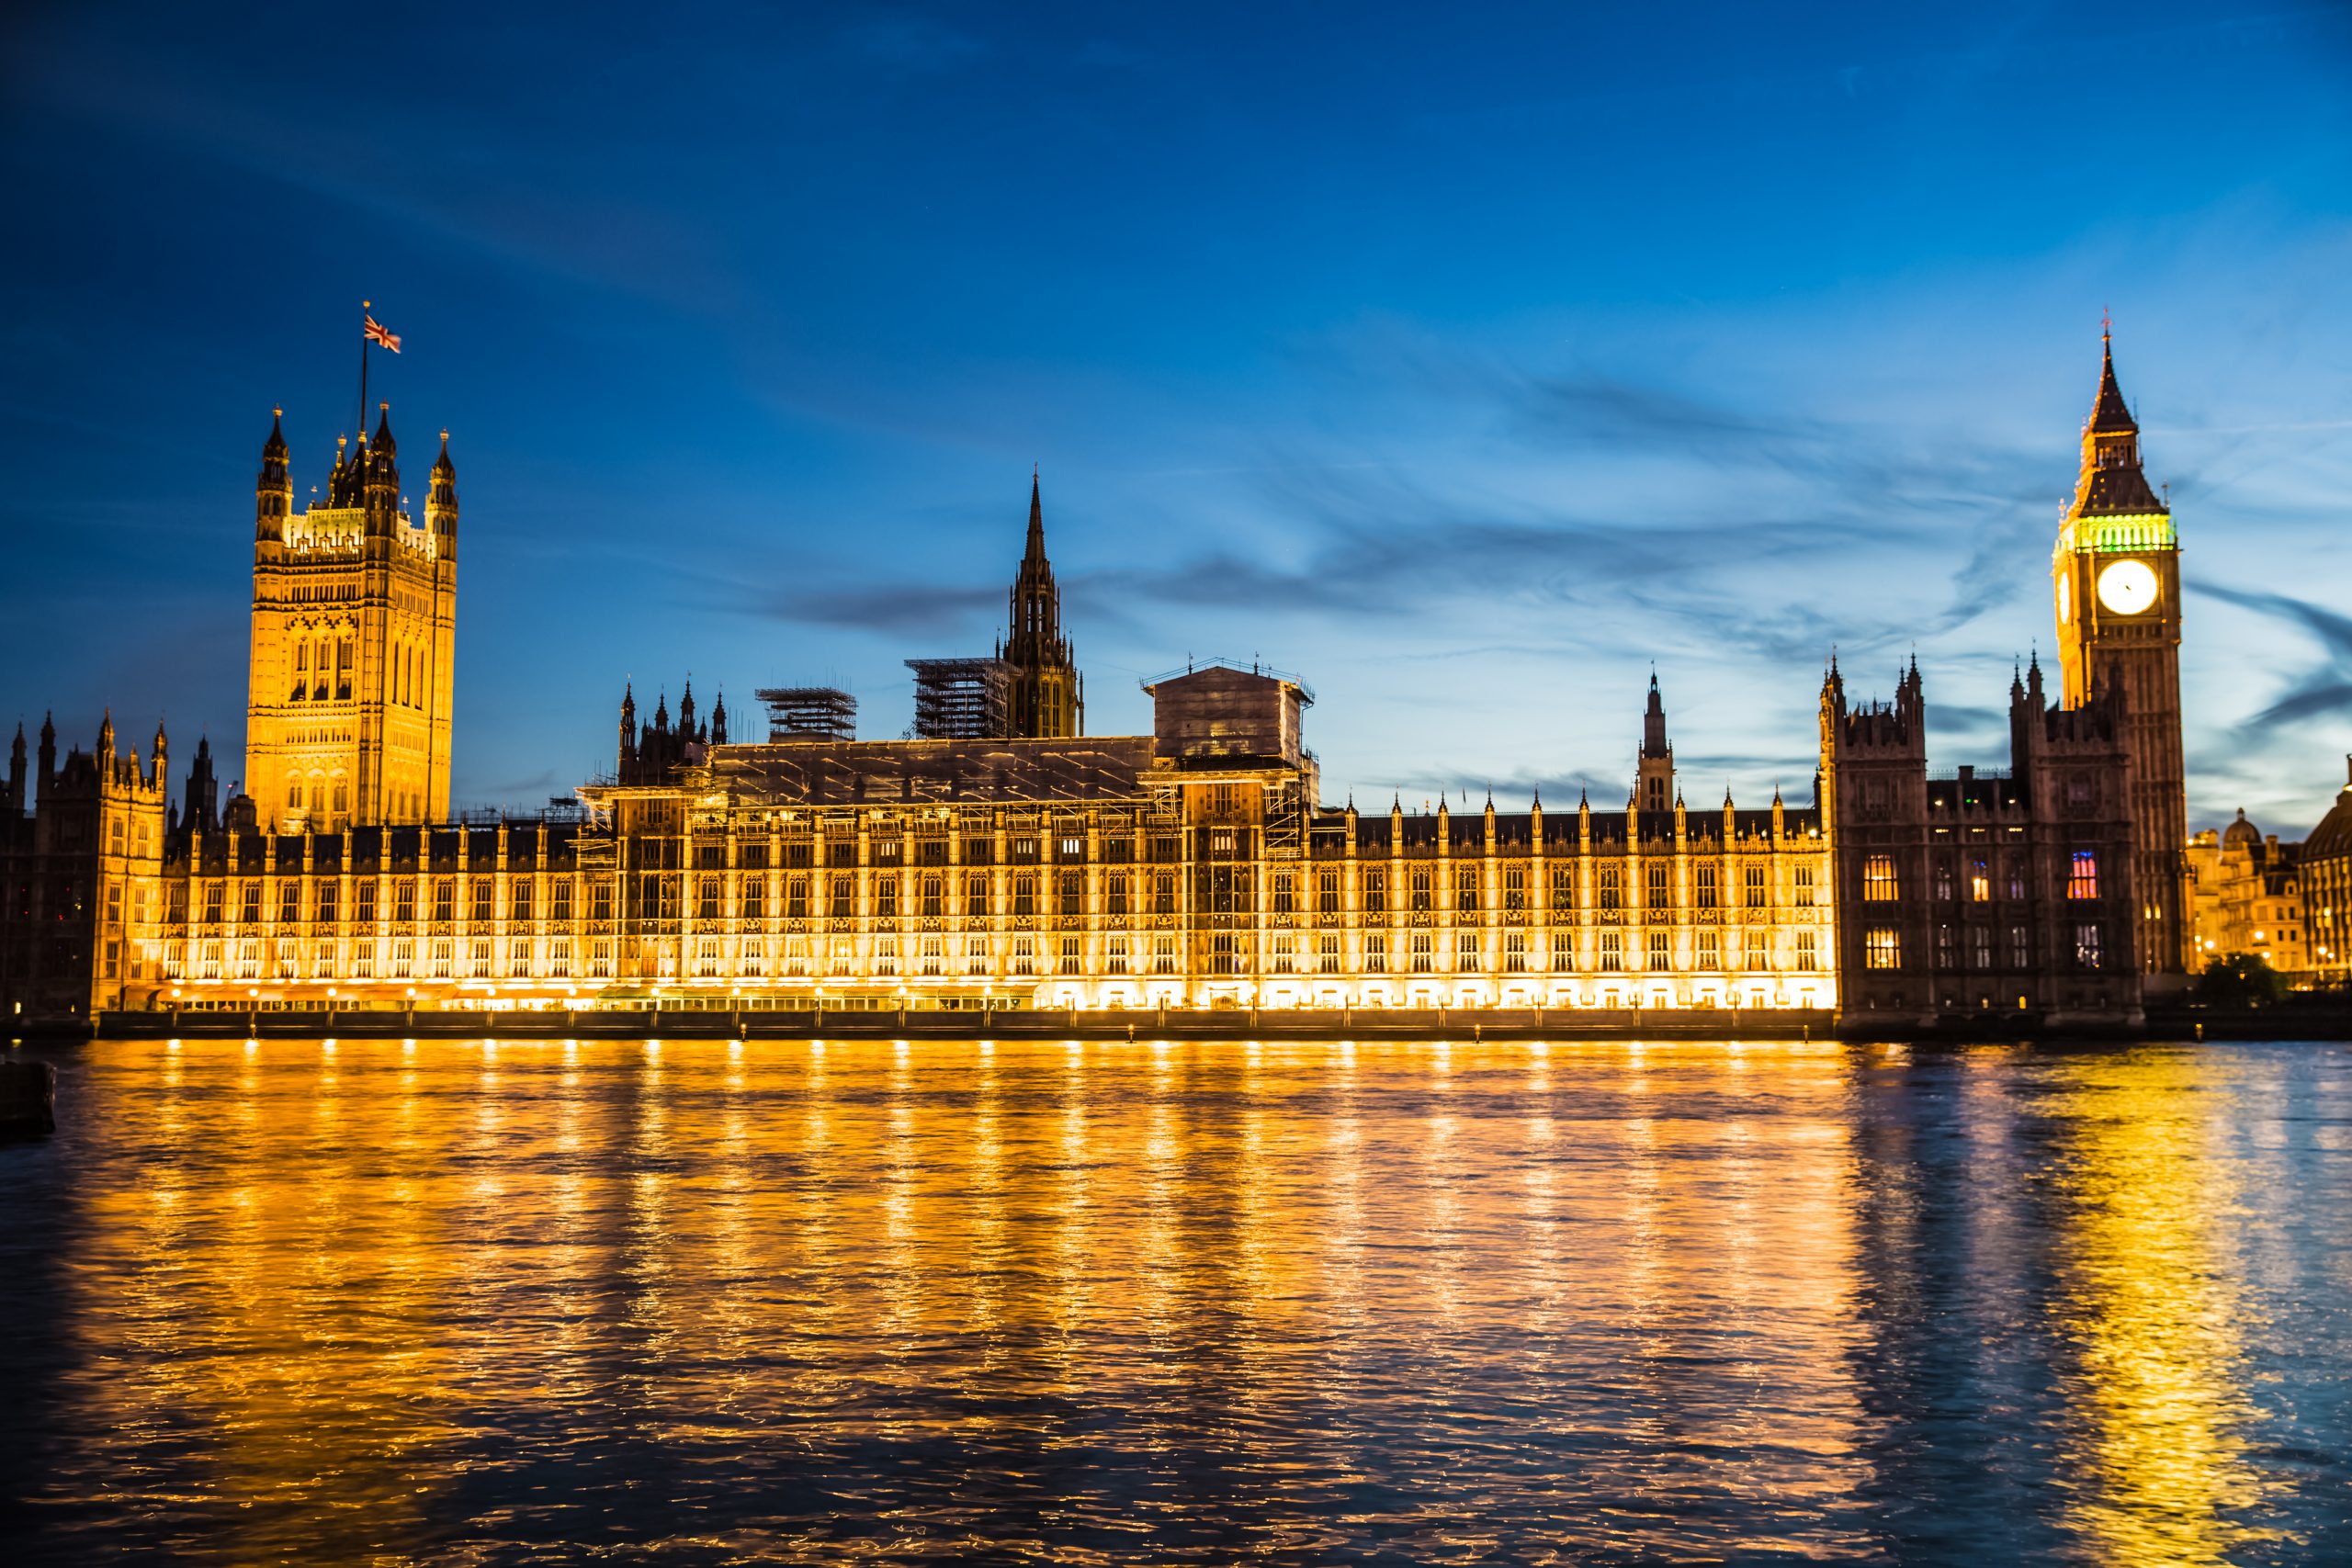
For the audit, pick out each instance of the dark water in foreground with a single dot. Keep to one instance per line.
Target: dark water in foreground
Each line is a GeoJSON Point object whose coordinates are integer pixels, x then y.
{"type": "Point", "coordinates": [689, 1303]}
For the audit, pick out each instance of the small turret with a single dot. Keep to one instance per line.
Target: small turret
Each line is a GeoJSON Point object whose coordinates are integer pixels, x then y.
{"type": "Point", "coordinates": [380, 477]}
{"type": "Point", "coordinates": [441, 502]}
{"type": "Point", "coordinates": [274, 490]}
{"type": "Point", "coordinates": [160, 781]}
{"type": "Point", "coordinates": [201, 809]}
{"type": "Point", "coordinates": [16, 793]}
{"type": "Point", "coordinates": [48, 755]}
{"type": "Point", "coordinates": [343, 479]}
{"type": "Point", "coordinates": [719, 721]}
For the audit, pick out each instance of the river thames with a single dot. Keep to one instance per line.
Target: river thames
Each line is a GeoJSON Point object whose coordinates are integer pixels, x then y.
{"type": "Point", "coordinates": [502, 1302]}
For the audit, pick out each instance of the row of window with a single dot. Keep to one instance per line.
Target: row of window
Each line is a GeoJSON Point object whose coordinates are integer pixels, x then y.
{"type": "Point", "coordinates": [450, 958]}
{"type": "Point", "coordinates": [1882, 947]}
{"type": "Point", "coordinates": [1975, 878]}
{"type": "Point", "coordinates": [1154, 893]}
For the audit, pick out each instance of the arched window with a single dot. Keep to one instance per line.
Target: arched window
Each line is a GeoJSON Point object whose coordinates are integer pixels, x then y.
{"type": "Point", "coordinates": [294, 792]}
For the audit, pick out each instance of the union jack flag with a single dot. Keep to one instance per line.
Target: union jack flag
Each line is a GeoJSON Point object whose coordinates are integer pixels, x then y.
{"type": "Point", "coordinates": [376, 332]}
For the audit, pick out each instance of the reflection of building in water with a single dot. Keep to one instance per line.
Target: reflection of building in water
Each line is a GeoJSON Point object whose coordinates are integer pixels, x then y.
{"type": "Point", "coordinates": [2159, 1441]}
{"type": "Point", "coordinates": [2244, 897]}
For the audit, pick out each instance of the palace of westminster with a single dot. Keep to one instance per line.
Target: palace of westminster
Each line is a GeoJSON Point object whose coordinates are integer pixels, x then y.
{"type": "Point", "coordinates": [1002, 857]}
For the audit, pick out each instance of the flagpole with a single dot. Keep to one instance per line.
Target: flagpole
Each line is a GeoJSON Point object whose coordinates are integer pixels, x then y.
{"type": "Point", "coordinates": [362, 433]}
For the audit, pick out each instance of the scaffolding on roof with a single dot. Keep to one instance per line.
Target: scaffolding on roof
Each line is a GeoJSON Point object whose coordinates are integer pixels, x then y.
{"type": "Point", "coordinates": [804, 713]}
{"type": "Point", "coordinates": [962, 699]}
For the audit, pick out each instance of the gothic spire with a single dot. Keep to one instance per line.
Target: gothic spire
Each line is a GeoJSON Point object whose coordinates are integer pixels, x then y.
{"type": "Point", "coordinates": [2111, 483]}
{"type": "Point", "coordinates": [1654, 722]}
{"type": "Point", "coordinates": [1035, 554]}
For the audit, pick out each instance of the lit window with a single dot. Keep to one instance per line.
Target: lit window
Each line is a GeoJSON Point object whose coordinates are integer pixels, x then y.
{"type": "Point", "coordinates": [1878, 879]}
{"type": "Point", "coordinates": [2081, 876]}
{"type": "Point", "coordinates": [2089, 950]}
{"type": "Point", "coordinates": [1882, 948]}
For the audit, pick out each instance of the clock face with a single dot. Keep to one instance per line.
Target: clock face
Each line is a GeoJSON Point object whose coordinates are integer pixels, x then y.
{"type": "Point", "coordinates": [2127, 587]}
{"type": "Point", "coordinates": [2066, 597]}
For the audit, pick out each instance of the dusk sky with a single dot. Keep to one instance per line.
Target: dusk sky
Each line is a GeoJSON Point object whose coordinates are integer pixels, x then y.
{"type": "Point", "coordinates": [1467, 367]}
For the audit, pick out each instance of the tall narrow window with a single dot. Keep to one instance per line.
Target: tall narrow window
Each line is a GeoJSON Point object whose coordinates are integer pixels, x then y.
{"type": "Point", "coordinates": [1658, 891]}
{"type": "Point", "coordinates": [1882, 948]}
{"type": "Point", "coordinates": [2089, 949]}
{"type": "Point", "coordinates": [1756, 886]}
{"type": "Point", "coordinates": [1878, 880]}
{"type": "Point", "coordinates": [2081, 876]}
{"type": "Point", "coordinates": [1563, 888]}
{"type": "Point", "coordinates": [1465, 890]}
{"type": "Point", "coordinates": [1420, 890]}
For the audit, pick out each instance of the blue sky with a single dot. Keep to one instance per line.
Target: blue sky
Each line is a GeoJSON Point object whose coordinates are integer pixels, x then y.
{"type": "Point", "coordinates": [1468, 363]}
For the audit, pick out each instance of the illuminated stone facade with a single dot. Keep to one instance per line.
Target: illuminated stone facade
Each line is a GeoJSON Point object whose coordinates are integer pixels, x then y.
{"type": "Point", "coordinates": [2245, 897]}
{"type": "Point", "coordinates": [355, 608]}
{"type": "Point", "coordinates": [1188, 868]}
{"type": "Point", "coordinates": [2325, 882]}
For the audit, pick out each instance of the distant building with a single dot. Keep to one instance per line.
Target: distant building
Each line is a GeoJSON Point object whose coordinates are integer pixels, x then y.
{"type": "Point", "coordinates": [2245, 897]}
{"type": "Point", "coordinates": [78, 879]}
{"type": "Point", "coordinates": [2326, 881]}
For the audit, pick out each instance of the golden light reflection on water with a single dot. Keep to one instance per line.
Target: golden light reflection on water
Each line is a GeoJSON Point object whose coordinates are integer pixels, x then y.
{"type": "Point", "coordinates": [1105, 1303]}
{"type": "Point", "coordinates": [2150, 1301]}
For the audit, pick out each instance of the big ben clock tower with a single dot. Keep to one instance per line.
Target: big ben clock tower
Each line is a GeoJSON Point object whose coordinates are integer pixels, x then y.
{"type": "Point", "coordinates": [2115, 574]}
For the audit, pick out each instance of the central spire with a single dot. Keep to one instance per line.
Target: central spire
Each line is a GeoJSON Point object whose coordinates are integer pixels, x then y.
{"type": "Point", "coordinates": [1035, 555]}
{"type": "Point", "coordinates": [1046, 698]}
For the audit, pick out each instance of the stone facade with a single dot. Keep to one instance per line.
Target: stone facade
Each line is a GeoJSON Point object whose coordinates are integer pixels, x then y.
{"type": "Point", "coordinates": [1979, 892]}
{"type": "Point", "coordinates": [348, 700]}
{"type": "Point", "coordinates": [2245, 897]}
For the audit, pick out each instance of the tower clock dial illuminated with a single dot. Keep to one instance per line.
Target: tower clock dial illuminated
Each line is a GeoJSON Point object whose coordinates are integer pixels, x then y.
{"type": "Point", "coordinates": [2127, 587]}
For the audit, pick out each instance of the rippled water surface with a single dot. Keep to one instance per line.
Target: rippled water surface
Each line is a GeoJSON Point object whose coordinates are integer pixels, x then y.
{"type": "Point", "coordinates": [540, 1303]}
